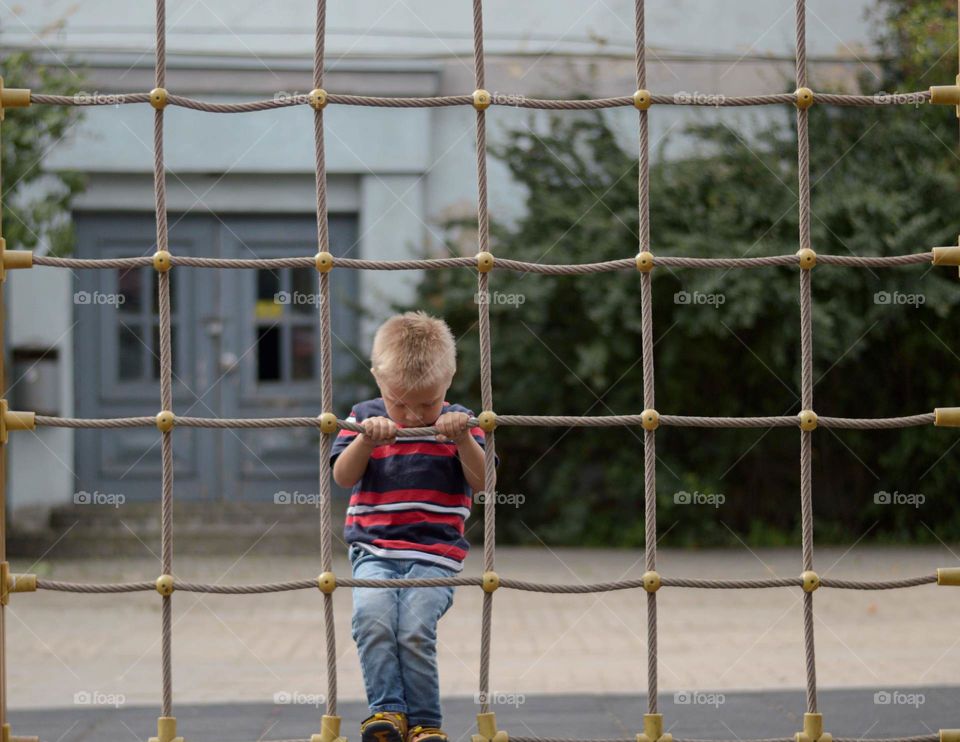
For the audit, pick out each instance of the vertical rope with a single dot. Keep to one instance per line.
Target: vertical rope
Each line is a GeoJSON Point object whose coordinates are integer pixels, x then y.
{"type": "Point", "coordinates": [646, 324]}
{"type": "Point", "coordinates": [486, 383]}
{"type": "Point", "coordinates": [806, 359]}
{"type": "Point", "coordinates": [326, 360]}
{"type": "Point", "coordinates": [166, 384]}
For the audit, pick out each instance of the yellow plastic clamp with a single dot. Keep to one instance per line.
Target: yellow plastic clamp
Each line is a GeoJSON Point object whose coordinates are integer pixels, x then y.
{"type": "Point", "coordinates": [811, 581]}
{"type": "Point", "coordinates": [481, 99]}
{"type": "Point", "coordinates": [651, 581]}
{"type": "Point", "coordinates": [14, 583]}
{"type": "Point", "coordinates": [13, 259]}
{"type": "Point", "coordinates": [164, 585]}
{"type": "Point", "coordinates": [946, 256]}
{"type": "Point", "coordinates": [318, 98]}
{"type": "Point", "coordinates": [165, 421]}
{"type": "Point", "coordinates": [329, 730]}
{"type": "Point", "coordinates": [13, 98]}
{"type": "Point", "coordinates": [158, 98]}
{"type": "Point", "coordinates": [804, 98]}
{"type": "Point", "coordinates": [808, 258]}
{"type": "Point", "coordinates": [950, 735]}
{"type": "Point", "coordinates": [946, 95]}
{"type": "Point", "coordinates": [166, 730]}
{"type": "Point", "coordinates": [650, 419]}
{"type": "Point", "coordinates": [491, 581]}
{"type": "Point", "coordinates": [947, 417]}
{"type": "Point", "coordinates": [948, 576]}
{"type": "Point", "coordinates": [485, 261]}
{"type": "Point", "coordinates": [328, 423]}
{"type": "Point", "coordinates": [323, 261]}
{"type": "Point", "coordinates": [487, 420]}
{"type": "Point", "coordinates": [813, 730]}
{"type": "Point", "coordinates": [645, 261]}
{"type": "Point", "coordinates": [327, 582]}
{"type": "Point", "coordinates": [808, 420]}
{"type": "Point", "coordinates": [161, 261]}
{"type": "Point", "coordinates": [642, 100]}
{"type": "Point", "coordinates": [653, 729]}
{"type": "Point", "coordinates": [12, 420]}
{"type": "Point", "coordinates": [487, 729]}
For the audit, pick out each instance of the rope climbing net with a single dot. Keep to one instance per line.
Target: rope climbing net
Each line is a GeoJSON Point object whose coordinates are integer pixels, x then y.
{"type": "Point", "coordinates": [328, 424]}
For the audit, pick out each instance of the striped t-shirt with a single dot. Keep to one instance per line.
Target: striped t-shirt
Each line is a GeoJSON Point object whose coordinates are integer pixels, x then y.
{"type": "Point", "coordinates": [413, 498]}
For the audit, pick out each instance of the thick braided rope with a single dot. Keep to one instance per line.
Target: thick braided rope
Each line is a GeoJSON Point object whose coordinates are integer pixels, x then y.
{"type": "Point", "coordinates": [166, 386]}
{"type": "Point", "coordinates": [464, 581]}
{"type": "Point", "coordinates": [326, 362]}
{"type": "Point", "coordinates": [620, 264]}
{"type": "Point", "coordinates": [515, 101]}
{"type": "Point", "coordinates": [806, 354]}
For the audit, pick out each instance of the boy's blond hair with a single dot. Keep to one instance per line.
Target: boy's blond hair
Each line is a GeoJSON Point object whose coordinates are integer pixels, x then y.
{"type": "Point", "coordinates": [414, 351]}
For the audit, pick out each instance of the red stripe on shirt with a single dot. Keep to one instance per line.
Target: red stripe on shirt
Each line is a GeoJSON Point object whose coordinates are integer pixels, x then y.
{"type": "Point", "coordinates": [405, 495]}
{"type": "Point", "coordinates": [402, 518]}
{"type": "Point", "coordinates": [430, 448]}
{"type": "Point", "coordinates": [444, 550]}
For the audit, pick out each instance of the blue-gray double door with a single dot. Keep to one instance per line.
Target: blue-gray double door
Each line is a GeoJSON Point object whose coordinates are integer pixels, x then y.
{"type": "Point", "coordinates": [245, 343]}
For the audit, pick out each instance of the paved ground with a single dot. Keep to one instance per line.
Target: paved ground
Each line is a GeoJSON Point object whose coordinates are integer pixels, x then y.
{"type": "Point", "coordinates": [66, 648]}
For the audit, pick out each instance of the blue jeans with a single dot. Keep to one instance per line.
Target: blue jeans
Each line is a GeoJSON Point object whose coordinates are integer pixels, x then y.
{"type": "Point", "coordinates": [396, 634]}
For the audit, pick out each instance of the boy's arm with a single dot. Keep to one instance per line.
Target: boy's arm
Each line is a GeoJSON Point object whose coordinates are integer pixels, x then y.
{"type": "Point", "coordinates": [471, 458]}
{"type": "Point", "coordinates": [352, 461]}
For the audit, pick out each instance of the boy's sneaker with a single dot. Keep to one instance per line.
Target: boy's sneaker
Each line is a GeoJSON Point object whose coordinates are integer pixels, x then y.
{"type": "Point", "coordinates": [426, 734]}
{"type": "Point", "coordinates": [384, 726]}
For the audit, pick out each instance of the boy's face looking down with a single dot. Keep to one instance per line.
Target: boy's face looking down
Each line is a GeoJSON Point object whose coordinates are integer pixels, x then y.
{"type": "Point", "coordinates": [413, 408]}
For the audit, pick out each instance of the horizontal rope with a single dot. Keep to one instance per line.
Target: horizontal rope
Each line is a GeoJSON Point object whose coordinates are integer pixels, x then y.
{"type": "Point", "coordinates": [569, 421]}
{"type": "Point", "coordinates": [619, 264]}
{"type": "Point", "coordinates": [505, 100]}
{"type": "Point", "coordinates": [465, 581]}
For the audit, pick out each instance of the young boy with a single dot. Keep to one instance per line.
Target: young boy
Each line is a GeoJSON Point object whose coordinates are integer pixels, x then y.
{"type": "Point", "coordinates": [410, 498]}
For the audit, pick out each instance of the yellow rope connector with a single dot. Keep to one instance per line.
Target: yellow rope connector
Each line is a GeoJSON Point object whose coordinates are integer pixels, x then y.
{"type": "Point", "coordinates": [329, 730]}
{"type": "Point", "coordinates": [164, 585]}
{"type": "Point", "coordinates": [642, 100]}
{"type": "Point", "coordinates": [950, 735]}
{"type": "Point", "coordinates": [6, 735]}
{"type": "Point", "coordinates": [946, 256]}
{"type": "Point", "coordinates": [165, 421]}
{"type": "Point", "coordinates": [808, 258]}
{"type": "Point", "coordinates": [808, 420]}
{"type": "Point", "coordinates": [327, 582]}
{"type": "Point", "coordinates": [487, 420]}
{"type": "Point", "coordinates": [645, 261]}
{"type": "Point", "coordinates": [14, 420]}
{"type": "Point", "coordinates": [13, 98]}
{"type": "Point", "coordinates": [318, 99]}
{"type": "Point", "coordinates": [813, 730]}
{"type": "Point", "coordinates": [328, 423]}
{"type": "Point", "coordinates": [166, 730]}
{"type": "Point", "coordinates": [491, 581]}
{"type": "Point", "coordinates": [14, 583]}
{"type": "Point", "coordinates": [946, 95]}
{"type": "Point", "coordinates": [811, 581]}
{"type": "Point", "coordinates": [323, 262]}
{"type": "Point", "coordinates": [487, 729]}
{"type": "Point", "coordinates": [947, 417]}
{"type": "Point", "coordinates": [804, 98]}
{"type": "Point", "coordinates": [158, 98]}
{"type": "Point", "coordinates": [485, 261]}
{"type": "Point", "coordinates": [651, 581]}
{"type": "Point", "coordinates": [481, 99]}
{"type": "Point", "coordinates": [161, 261]}
{"type": "Point", "coordinates": [10, 259]}
{"type": "Point", "coordinates": [948, 576]}
{"type": "Point", "coordinates": [653, 729]}
{"type": "Point", "coordinates": [650, 419]}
